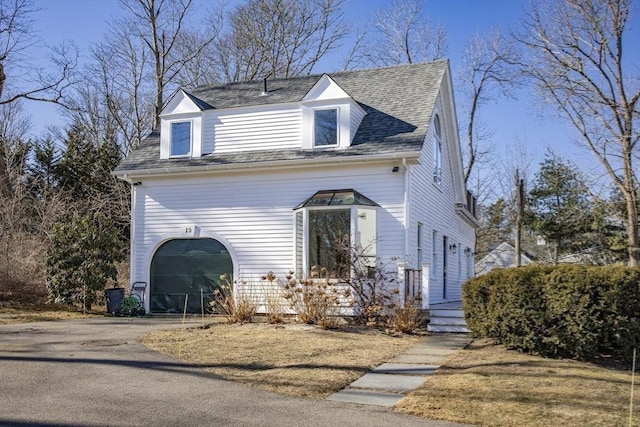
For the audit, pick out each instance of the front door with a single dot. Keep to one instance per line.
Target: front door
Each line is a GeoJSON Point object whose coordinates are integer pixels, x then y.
{"type": "Point", "coordinates": [187, 271]}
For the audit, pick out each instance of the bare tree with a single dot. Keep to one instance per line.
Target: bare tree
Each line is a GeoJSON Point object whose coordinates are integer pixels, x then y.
{"type": "Point", "coordinates": [147, 54]}
{"type": "Point", "coordinates": [487, 73]}
{"type": "Point", "coordinates": [117, 98]}
{"type": "Point", "coordinates": [279, 38]}
{"type": "Point", "coordinates": [576, 60]}
{"type": "Point", "coordinates": [19, 77]}
{"type": "Point", "coordinates": [14, 150]}
{"type": "Point", "coordinates": [162, 27]}
{"type": "Point", "coordinates": [402, 34]}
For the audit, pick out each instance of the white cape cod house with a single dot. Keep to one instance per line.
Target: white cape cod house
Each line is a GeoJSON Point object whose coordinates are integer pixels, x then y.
{"type": "Point", "coordinates": [247, 178]}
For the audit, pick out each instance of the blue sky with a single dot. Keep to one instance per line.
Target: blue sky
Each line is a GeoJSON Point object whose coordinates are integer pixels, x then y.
{"type": "Point", "coordinates": [85, 21]}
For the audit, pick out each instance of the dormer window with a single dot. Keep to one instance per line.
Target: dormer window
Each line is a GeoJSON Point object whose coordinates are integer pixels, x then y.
{"type": "Point", "coordinates": [325, 127]}
{"type": "Point", "coordinates": [180, 139]}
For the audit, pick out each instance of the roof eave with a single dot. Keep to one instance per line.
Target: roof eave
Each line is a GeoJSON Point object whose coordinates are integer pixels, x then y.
{"type": "Point", "coordinates": [462, 210]}
{"type": "Point", "coordinates": [263, 165]}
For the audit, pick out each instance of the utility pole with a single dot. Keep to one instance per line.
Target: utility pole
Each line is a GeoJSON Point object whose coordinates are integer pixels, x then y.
{"type": "Point", "coordinates": [519, 187]}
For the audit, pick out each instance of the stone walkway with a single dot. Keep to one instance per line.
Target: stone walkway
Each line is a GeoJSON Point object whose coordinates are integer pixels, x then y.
{"type": "Point", "coordinates": [389, 382]}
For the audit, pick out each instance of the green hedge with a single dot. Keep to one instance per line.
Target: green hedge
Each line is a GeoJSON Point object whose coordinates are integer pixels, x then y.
{"type": "Point", "coordinates": [566, 311]}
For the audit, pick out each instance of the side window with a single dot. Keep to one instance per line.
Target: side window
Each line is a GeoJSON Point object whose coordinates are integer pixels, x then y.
{"type": "Point", "coordinates": [325, 127]}
{"type": "Point", "coordinates": [180, 139]}
{"type": "Point", "coordinates": [434, 253]}
{"type": "Point", "coordinates": [437, 151]}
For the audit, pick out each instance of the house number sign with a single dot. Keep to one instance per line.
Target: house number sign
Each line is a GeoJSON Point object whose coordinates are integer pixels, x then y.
{"type": "Point", "coordinates": [190, 230]}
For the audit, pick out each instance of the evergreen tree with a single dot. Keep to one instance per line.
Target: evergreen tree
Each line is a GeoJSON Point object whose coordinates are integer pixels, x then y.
{"type": "Point", "coordinates": [560, 209]}
{"type": "Point", "coordinates": [82, 259]}
{"type": "Point", "coordinates": [84, 250]}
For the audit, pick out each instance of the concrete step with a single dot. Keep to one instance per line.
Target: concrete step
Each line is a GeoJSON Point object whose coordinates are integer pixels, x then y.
{"type": "Point", "coordinates": [446, 312]}
{"type": "Point", "coordinates": [455, 321]}
{"type": "Point", "coordinates": [458, 329]}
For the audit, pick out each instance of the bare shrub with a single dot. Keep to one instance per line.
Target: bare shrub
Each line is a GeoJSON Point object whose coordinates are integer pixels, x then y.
{"type": "Point", "coordinates": [235, 306]}
{"type": "Point", "coordinates": [275, 301]}
{"type": "Point", "coordinates": [403, 317]}
{"type": "Point", "coordinates": [376, 294]}
{"type": "Point", "coordinates": [372, 284]}
{"type": "Point", "coordinates": [317, 300]}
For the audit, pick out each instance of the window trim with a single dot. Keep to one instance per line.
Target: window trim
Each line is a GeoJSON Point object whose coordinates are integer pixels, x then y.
{"type": "Point", "coordinates": [175, 122]}
{"type": "Point", "coordinates": [337, 127]}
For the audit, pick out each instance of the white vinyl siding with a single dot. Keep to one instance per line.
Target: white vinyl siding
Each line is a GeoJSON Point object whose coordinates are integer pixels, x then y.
{"type": "Point", "coordinates": [254, 213]}
{"type": "Point", "coordinates": [299, 254]}
{"type": "Point", "coordinates": [357, 115]}
{"type": "Point", "coordinates": [250, 131]}
{"type": "Point", "coordinates": [434, 207]}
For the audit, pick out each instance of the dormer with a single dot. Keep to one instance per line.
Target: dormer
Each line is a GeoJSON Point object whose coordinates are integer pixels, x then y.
{"type": "Point", "coordinates": [330, 117]}
{"type": "Point", "coordinates": [181, 126]}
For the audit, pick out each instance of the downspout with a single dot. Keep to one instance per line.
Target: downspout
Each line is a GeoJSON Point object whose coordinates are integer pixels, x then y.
{"type": "Point", "coordinates": [132, 268]}
{"type": "Point", "coordinates": [407, 204]}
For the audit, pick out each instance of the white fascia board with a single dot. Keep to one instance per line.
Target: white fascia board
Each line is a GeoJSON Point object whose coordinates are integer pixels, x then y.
{"type": "Point", "coordinates": [411, 157]}
{"type": "Point", "coordinates": [451, 122]}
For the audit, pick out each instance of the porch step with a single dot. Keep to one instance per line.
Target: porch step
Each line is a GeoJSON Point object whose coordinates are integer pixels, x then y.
{"type": "Point", "coordinates": [441, 329]}
{"type": "Point", "coordinates": [453, 321]}
{"type": "Point", "coordinates": [446, 312]}
{"type": "Point", "coordinates": [447, 320]}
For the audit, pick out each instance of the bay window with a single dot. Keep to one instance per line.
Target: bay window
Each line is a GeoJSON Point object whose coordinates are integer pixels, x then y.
{"type": "Point", "coordinates": [331, 227]}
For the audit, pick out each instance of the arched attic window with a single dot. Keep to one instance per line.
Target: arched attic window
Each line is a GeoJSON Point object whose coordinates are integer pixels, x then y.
{"type": "Point", "coordinates": [330, 227]}
{"type": "Point", "coordinates": [437, 151]}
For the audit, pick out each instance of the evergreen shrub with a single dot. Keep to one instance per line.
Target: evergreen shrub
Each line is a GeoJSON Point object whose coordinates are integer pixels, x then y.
{"type": "Point", "coordinates": [573, 311]}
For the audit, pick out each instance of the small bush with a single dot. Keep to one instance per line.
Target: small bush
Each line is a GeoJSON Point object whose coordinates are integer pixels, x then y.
{"type": "Point", "coordinates": [274, 300]}
{"type": "Point", "coordinates": [402, 317]}
{"type": "Point", "coordinates": [235, 306]}
{"type": "Point", "coordinates": [318, 299]}
{"type": "Point", "coordinates": [566, 311]}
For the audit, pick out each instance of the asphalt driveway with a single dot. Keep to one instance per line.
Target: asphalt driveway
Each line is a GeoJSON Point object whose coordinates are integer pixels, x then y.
{"type": "Point", "coordinates": [95, 373]}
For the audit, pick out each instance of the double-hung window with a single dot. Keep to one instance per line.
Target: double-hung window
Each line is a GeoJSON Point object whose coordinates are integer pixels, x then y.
{"type": "Point", "coordinates": [325, 127]}
{"type": "Point", "coordinates": [180, 139]}
{"type": "Point", "coordinates": [332, 227]}
{"type": "Point", "coordinates": [434, 253]}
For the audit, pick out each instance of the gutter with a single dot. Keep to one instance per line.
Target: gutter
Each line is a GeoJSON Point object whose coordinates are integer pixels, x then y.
{"type": "Point", "coordinates": [264, 165]}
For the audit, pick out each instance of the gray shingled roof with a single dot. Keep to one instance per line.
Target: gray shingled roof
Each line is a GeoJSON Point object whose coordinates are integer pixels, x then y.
{"type": "Point", "coordinates": [398, 100]}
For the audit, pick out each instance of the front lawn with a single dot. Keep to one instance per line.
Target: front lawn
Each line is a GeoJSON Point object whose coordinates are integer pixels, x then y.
{"type": "Point", "coordinates": [484, 384]}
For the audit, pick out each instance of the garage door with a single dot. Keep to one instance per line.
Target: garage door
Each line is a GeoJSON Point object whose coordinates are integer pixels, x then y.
{"type": "Point", "coordinates": [186, 269]}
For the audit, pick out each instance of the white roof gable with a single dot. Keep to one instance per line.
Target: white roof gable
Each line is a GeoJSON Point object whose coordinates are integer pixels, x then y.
{"type": "Point", "coordinates": [180, 103]}
{"type": "Point", "coordinates": [325, 89]}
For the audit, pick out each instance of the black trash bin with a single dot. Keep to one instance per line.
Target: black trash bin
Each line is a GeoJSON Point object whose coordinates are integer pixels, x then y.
{"type": "Point", "coordinates": [114, 297]}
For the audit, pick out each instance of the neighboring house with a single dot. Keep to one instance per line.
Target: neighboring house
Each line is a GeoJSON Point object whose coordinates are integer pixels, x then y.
{"type": "Point", "coordinates": [501, 256]}
{"type": "Point", "coordinates": [247, 178]}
